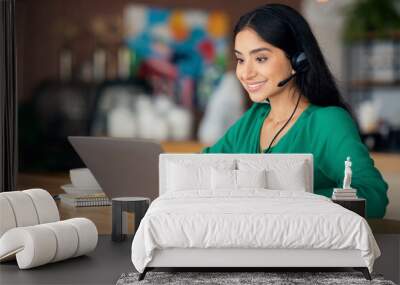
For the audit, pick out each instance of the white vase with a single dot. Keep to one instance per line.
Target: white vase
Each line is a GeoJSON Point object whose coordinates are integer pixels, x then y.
{"type": "Point", "coordinates": [121, 122]}
{"type": "Point", "coordinates": [180, 123]}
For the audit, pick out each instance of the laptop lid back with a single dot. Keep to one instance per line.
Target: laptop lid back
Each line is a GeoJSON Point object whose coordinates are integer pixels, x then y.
{"type": "Point", "coordinates": [124, 167]}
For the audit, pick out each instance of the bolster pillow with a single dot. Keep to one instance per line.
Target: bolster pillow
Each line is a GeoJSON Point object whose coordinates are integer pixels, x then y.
{"type": "Point", "coordinates": [40, 244]}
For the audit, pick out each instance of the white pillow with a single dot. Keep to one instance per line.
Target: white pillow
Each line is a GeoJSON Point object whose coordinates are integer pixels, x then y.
{"type": "Point", "coordinates": [236, 179]}
{"type": "Point", "coordinates": [183, 178]}
{"type": "Point", "coordinates": [251, 178]}
{"type": "Point", "coordinates": [190, 174]}
{"type": "Point", "coordinates": [223, 179]}
{"type": "Point", "coordinates": [293, 180]}
{"type": "Point", "coordinates": [281, 175]}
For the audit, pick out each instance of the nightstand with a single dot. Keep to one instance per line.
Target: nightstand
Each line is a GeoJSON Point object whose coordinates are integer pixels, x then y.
{"type": "Point", "coordinates": [137, 205]}
{"type": "Point", "coordinates": [355, 205]}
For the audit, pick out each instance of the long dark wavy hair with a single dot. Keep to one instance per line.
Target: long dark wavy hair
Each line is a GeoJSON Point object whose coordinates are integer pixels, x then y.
{"type": "Point", "coordinates": [285, 28]}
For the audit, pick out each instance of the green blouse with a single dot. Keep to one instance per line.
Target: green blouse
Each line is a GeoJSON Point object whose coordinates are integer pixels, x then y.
{"type": "Point", "coordinates": [330, 134]}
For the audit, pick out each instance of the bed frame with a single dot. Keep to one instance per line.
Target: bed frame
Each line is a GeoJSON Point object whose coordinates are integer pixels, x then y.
{"type": "Point", "coordinates": [247, 259]}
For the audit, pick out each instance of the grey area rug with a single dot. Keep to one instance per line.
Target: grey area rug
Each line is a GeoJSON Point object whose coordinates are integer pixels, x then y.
{"type": "Point", "coordinates": [229, 278]}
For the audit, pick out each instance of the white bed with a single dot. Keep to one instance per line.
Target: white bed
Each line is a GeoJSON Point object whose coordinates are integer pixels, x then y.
{"type": "Point", "coordinates": [203, 220]}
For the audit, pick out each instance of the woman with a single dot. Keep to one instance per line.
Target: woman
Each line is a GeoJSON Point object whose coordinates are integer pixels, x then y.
{"type": "Point", "coordinates": [280, 63]}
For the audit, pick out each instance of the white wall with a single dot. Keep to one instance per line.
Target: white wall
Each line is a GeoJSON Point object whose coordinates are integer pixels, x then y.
{"type": "Point", "coordinates": [326, 21]}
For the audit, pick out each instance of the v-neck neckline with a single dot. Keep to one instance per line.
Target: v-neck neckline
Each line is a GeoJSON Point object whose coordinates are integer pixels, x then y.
{"type": "Point", "coordinates": [285, 135]}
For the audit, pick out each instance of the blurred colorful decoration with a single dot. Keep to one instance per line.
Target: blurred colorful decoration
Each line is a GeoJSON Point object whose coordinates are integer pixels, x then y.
{"type": "Point", "coordinates": [161, 74]}
{"type": "Point", "coordinates": [174, 49]}
{"type": "Point", "coordinates": [217, 24]}
{"type": "Point", "coordinates": [179, 29]}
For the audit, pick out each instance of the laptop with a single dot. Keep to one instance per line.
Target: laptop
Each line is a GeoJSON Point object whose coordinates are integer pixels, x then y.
{"type": "Point", "coordinates": [124, 167]}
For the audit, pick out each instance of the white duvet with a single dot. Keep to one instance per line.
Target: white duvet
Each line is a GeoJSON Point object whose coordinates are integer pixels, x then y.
{"type": "Point", "coordinates": [250, 218]}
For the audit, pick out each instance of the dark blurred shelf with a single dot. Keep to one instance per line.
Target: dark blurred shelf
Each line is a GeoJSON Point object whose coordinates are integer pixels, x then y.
{"type": "Point", "coordinates": [385, 144]}
{"type": "Point", "coordinates": [361, 84]}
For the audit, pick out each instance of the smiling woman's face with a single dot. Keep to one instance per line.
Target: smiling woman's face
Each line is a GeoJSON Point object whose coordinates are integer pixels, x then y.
{"type": "Point", "coordinates": [260, 66]}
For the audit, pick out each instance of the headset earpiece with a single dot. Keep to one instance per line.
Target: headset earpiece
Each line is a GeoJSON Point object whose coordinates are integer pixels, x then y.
{"type": "Point", "coordinates": [299, 62]}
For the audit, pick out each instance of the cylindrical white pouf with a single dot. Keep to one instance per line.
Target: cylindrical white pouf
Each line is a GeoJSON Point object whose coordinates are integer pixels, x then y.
{"type": "Point", "coordinates": [23, 208]}
{"type": "Point", "coordinates": [45, 205]}
{"type": "Point", "coordinates": [67, 240]}
{"type": "Point", "coordinates": [36, 245]}
{"type": "Point", "coordinates": [7, 218]}
{"type": "Point", "coordinates": [87, 234]}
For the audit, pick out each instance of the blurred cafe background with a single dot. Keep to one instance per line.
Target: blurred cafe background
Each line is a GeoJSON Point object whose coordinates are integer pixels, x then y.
{"type": "Point", "coordinates": [164, 70]}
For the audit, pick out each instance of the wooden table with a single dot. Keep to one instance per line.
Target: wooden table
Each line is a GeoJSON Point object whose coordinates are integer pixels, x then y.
{"type": "Point", "coordinates": [101, 216]}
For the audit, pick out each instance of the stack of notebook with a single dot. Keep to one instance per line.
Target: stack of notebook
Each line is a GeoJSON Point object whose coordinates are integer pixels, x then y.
{"type": "Point", "coordinates": [88, 200]}
{"type": "Point", "coordinates": [344, 194]}
{"type": "Point", "coordinates": [84, 191]}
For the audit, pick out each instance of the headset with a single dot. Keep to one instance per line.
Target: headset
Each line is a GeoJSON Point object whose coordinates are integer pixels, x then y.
{"type": "Point", "coordinates": [299, 64]}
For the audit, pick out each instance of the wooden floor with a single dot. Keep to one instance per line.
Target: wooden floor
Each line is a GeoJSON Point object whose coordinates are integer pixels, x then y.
{"type": "Point", "coordinates": [388, 164]}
